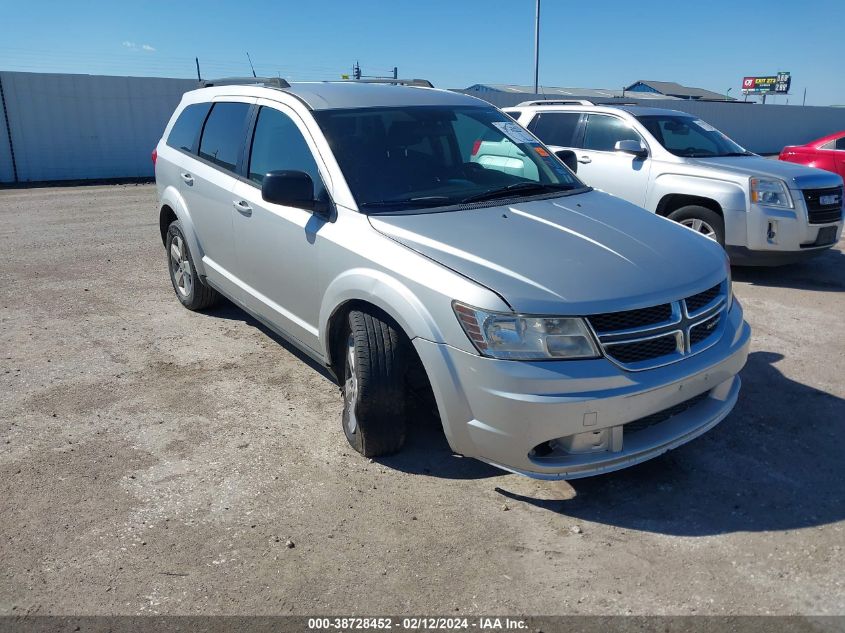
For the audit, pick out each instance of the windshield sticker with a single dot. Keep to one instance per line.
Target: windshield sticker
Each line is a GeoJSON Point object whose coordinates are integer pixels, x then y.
{"type": "Point", "coordinates": [705, 126]}
{"type": "Point", "coordinates": [515, 132]}
{"type": "Point", "coordinates": [554, 163]}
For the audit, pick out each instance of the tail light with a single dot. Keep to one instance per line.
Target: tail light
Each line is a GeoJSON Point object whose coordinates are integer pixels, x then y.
{"type": "Point", "coordinates": [155, 156]}
{"type": "Point", "coordinates": [476, 146]}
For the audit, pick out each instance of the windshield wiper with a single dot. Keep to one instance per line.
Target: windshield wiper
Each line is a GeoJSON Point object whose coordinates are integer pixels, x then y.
{"type": "Point", "coordinates": [519, 187]}
{"type": "Point", "coordinates": [738, 154]}
{"type": "Point", "coordinates": [405, 203]}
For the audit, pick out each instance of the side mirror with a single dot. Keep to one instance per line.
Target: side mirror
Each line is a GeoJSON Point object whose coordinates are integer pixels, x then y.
{"type": "Point", "coordinates": [631, 147]}
{"type": "Point", "coordinates": [567, 156]}
{"type": "Point", "coordinates": [290, 188]}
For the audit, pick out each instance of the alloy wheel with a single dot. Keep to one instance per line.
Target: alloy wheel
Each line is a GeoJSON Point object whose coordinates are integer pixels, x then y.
{"type": "Point", "coordinates": [700, 226]}
{"type": "Point", "coordinates": [350, 386]}
{"type": "Point", "coordinates": [180, 266]}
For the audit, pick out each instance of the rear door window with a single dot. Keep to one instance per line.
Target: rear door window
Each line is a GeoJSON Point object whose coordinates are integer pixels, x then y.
{"type": "Point", "coordinates": [840, 143]}
{"type": "Point", "coordinates": [603, 132]}
{"type": "Point", "coordinates": [186, 130]}
{"type": "Point", "coordinates": [556, 128]}
{"type": "Point", "coordinates": [223, 134]}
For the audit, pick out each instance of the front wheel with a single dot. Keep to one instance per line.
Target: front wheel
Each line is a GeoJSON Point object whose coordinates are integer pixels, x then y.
{"type": "Point", "coordinates": [375, 359]}
{"type": "Point", "coordinates": [701, 220]}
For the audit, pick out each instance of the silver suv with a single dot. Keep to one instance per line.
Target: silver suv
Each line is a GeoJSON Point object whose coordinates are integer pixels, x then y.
{"type": "Point", "coordinates": [762, 211]}
{"type": "Point", "coordinates": [556, 331]}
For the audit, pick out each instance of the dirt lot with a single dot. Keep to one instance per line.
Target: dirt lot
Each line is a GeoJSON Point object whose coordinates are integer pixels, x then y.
{"type": "Point", "coordinates": [153, 460]}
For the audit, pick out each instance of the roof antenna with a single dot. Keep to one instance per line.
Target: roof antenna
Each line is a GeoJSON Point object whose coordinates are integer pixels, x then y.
{"type": "Point", "coordinates": [197, 60]}
{"type": "Point", "coordinates": [250, 64]}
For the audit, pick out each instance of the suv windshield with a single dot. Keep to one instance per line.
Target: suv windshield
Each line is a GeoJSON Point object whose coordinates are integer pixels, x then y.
{"type": "Point", "coordinates": [690, 137]}
{"type": "Point", "coordinates": [413, 158]}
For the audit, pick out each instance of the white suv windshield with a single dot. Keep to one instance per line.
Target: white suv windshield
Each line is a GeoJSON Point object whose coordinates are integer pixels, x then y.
{"type": "Point", "coordinates": [413, 158]}
{"type": "Point", "coordinates": [690, 137]}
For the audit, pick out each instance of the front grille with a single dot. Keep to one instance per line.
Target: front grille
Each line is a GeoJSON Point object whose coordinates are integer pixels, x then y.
{"type": "Point", "coordinates": [650, 337]}
{"type": "Point", "coordinates": [638, 351]}
{"type": "Point", "coordinates": [696, 302]}
{"type": "Point", "coordinates": [703, 330]}
{"type": "Point", "coordinates": [662, 416]}
{"type": "Point", "coordinates": [630, 319]}
{"type": "Point", "coordinates": [819, 213]}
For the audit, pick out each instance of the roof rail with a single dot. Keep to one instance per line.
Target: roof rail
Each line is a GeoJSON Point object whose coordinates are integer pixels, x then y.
{"type": "Point", "coordinates": [540, 102]}
{"type": "Point", "coordinates": [420, 83]}
{"type": "Point", "coordinates": [273, 82]}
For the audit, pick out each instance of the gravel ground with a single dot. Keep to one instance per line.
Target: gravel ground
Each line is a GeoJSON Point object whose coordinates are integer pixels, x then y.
{"type": "Point", "coordinates": [153, 460]}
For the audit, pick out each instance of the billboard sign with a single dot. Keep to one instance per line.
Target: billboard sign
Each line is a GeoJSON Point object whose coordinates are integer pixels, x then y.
{"type": "Point", "coordinates": [772, 84]}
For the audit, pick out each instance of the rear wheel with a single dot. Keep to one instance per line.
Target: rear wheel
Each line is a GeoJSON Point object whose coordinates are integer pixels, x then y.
{"type": "Point", "coordinates": [375, 359]}
{"type": "Point", "coordinates": [189, 288]}
{"type": "Point", "coordinates": [701, 220]}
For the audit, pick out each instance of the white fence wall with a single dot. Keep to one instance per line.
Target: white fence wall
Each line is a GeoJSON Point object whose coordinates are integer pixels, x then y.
{"type": "Point", "coordinates": [764, 129]}
{"type": "Point", "coordinates": [69, 127]}
{"type": "Point", "coordinates": [78, 127]}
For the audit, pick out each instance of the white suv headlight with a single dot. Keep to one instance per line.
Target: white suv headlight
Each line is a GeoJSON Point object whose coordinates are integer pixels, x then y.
{"type": "Point", "coordinates": [511, 336]}
{"type": "Point", "coordinates": [770, 192]}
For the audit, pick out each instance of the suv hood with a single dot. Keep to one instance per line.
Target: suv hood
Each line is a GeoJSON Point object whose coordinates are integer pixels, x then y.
{"type": "Point", "coordinates": [796, 176]}
{"type": "Point", "coordinates": [575, 255]}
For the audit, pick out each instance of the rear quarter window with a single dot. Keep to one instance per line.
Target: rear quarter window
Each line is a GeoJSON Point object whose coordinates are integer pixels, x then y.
{"type": "Point", "coordinates": [556, 128]}
{"type": "Point", "coordinates": [186, 131]}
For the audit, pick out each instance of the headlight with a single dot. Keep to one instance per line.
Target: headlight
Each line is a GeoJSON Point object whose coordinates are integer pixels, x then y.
{"type": "Point", "coordinates": [770, 192]}
{"type": "Point", "coordinates": [519, 337]}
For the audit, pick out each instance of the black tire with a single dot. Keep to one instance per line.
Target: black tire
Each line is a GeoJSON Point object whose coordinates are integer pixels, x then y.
{"type": "Point", "coordinates": [709, 218]}
{"type": "Point", "coordinates": [375, 360]}
{"type": "Point", "coordinates": [189, 288]}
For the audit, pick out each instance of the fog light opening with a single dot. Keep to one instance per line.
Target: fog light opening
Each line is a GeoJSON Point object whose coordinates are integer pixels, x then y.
{"type": "Point", "coordinates": [772, 232]}
{"type": "Point", "coordinates": [541, 450]}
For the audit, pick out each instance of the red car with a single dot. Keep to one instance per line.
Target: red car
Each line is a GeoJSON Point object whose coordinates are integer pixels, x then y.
{"type": "Point", "coordinates": [825, 153]}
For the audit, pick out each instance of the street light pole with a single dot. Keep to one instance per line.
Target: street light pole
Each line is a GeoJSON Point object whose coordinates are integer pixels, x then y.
{"type": "Point", "coordinates": [537, 49]}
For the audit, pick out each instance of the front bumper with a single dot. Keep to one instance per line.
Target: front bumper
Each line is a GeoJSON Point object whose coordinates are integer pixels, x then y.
{"type": "Point", "coordinates": [768, 235]}
{"type": "Point", "coordinates": [500, 411]}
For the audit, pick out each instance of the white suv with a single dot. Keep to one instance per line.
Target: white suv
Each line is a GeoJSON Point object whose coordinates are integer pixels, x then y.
{"type": "Point", "coordinates": [762, 211]}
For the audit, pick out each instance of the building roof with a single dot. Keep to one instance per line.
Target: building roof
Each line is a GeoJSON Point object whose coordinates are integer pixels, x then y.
{"type": "Point", "coordinates": [671, 88]}
{"type": "Point", "coordinates": [569, 93]}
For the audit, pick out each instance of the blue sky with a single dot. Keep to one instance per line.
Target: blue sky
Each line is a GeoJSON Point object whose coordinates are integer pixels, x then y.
{"type": "Point", "coordinates": [455, 43]}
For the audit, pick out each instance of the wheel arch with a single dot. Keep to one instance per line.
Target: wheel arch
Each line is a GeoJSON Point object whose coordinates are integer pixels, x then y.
{"type": "Point", "coordinates": [671, 191]}
{"type": "Point", "coordinates": [172, 207]}
{"type": "Point", "coordinates": [376, 291]}
{"type": "Point", "coordinates": [166, 217]}
{"type": "Point", "coordinates": [673, 201]}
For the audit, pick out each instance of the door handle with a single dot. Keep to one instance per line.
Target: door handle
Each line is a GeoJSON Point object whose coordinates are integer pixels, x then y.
{"type": "Point", "coordinates": [242, 207]}
{"type": "Point", "coordinates": [585, 159]}
{"type": "Point", "coordinates": [187, 178]}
